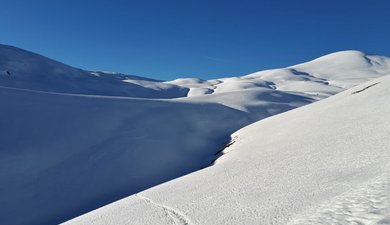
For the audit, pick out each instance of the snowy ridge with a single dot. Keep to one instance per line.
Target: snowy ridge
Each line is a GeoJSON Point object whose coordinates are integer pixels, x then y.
{"type": "Point", "coordinates": [105, 136]}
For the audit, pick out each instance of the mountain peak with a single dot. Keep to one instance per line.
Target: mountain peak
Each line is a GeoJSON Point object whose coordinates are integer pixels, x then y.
{"type": "Point", "coordinates": [347, 57]}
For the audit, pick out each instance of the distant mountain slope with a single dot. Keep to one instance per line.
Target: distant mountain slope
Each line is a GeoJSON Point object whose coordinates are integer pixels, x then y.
{"type": "Point", "coordinates": [325, 163]}
{"type": "Point", "coordinates": [23, 69]}
{"type": "Point", "coordinates": [324, 76]}
{"type": "Point", "coordinates": [68, 146]}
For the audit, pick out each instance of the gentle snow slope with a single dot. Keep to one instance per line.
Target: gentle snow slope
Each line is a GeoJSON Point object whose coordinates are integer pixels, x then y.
{"type": "Point", "coordinates": [327, 162]}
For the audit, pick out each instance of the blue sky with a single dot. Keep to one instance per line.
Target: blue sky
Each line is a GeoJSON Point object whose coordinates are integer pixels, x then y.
{"type": "Point", "coordinates": [207, 39]}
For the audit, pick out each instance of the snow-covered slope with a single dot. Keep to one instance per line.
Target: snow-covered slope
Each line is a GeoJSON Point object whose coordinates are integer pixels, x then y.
{"type": "Point", "coordinates": [68, 146]}
{"type": "Point", "coordinates": [63, 155]}
{"type": "Point", "coordinates": [27, 70]}
{"type": "Point", "coordinates": [325, 163]}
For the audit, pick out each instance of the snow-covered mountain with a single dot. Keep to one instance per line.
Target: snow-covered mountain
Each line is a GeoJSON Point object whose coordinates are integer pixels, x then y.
{"type": "Point", "coordinates": [325, 163]}
{"type": "Point", "coordinates": [74, 140]}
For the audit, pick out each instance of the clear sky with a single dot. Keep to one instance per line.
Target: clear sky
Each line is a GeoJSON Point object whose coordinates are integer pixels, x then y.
{"type": "Point", "coordinates": [207, 39]}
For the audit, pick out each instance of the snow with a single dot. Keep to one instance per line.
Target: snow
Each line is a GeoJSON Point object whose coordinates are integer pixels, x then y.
{"type": "Point", "coordinates": [321, 77]}
{"type": "Point", "coordinates": [324, 163]}
{"type": "Point", "coordinates": [76, 140]}
{"type": "Point", "coordinates": [366, 204]}
{"type": "Point", "coordinates": [80, 152]}
{"type": "Point", "coordinates": [347, 68]}
{"type": "Point", "coordinates": [32, 71]}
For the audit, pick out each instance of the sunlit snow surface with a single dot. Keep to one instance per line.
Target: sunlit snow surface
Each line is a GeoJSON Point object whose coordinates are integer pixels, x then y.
{"type": "Point", "coordinates": [75, 140]}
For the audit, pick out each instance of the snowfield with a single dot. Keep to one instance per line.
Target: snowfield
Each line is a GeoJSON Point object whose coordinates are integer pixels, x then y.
{"type": "Point", "coordinates": [325, 163]}
{"type": "Point", "coordinates": [73, 140]}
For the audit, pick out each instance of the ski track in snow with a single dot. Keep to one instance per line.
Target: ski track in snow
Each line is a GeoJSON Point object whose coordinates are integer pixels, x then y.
{"type": "Point", "coordinates": [369, 204]}
{"type": "Point", "coordinates": [177, 217]}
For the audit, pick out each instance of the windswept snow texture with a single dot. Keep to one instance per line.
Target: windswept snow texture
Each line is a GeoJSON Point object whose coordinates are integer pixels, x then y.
{"type": "Point", "coordinates": [325, 163]}
{"type": "Point", "coordinates": [74, 140]}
